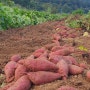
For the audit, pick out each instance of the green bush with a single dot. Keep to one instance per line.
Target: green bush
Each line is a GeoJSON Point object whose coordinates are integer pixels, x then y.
{"type": "Point", "coordinates": [13, 17]}
{"type": "Point", "coordinates": [78, 11]}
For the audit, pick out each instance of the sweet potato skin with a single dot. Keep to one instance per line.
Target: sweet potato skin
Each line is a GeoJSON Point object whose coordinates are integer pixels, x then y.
{"type": "Point", "coordinates": [16, 58]}
{"type": "Point", "coordinates": [42, 77]}
{"type": "Point", "coordinates": [22, 83]}
{"type": "Point", "coordinates": [30, 57]}
{"type": "Point", "coordinates": [63, 68]}
{"type": "Point", "coordinates": [70, 59]}
{"type": "Point", "coordinates": [40, 65]}
{"type": "Point", "coordinates": [56, 42]}
{"type": "Point", "coordinates": [22, 61]}
{"type": "Point", "coordinates": [83, 65]}
{"type": "Point", "coordinates": [50, 46]}
{"type": "Point", "coordinates": [63, 52]}
{"type": "Point", "coordinates": [39, 52]}
{"type": "Point", "coordinates": [56, 37]}
{"type": "Point", "coordinates": [20, 71]}
{"type": "Point", "coordinates": [55, 58]}
{"type": "Point", "coordinates": [44, 56]}
{"type": "Point", "coordinates": [55, 48]}
{"type": "Point", "coordinates": [10, 70]}
{"type": "Point", "coordinates": [73, 69]}
{"type": "Point", "coordinates": [88, 75]}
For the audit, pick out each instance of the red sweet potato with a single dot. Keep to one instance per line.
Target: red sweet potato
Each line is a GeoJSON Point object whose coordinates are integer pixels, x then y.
{"type": "Point", "coordinates": [22, 61]}
{"type": "Point", "coordinates": [66, 88]}
{"type": "Point", "coordinates": [56, 42]}
{"type": "Point", "coordinates": [56, 37]}
{"type": "Point", "coordinates": [70, 59]}
{"type": "Point", "coordinates": [72, 35]}
{"type": "Point", "coordinates": [83, 65]}
{"type": "Point", "coordinates": [38, 52]}
{"type": "Point", "coordinates": [40, 65]}
{"type": "Point", "coordinates": [10, 70]}
{"type": "Point", "coordinates": [63, 52]}
{"type": "Point", "coordinates": [20, 71]}
{"type": "Point", "coordinates": [22, 83]}
{"type": "Point", "coordinates": [73, 69]}
{"type": "Point", "coordinates": [63, 69]}
{"type": "Point", "coordinates": [88, 75]}
{"type": "Point", "coordinates": [55, 58]}
{"type": "Point", "coordinates": [63, 33]}
{"type": "Point", "coordinates": [30, 57]}
{"type": "Point", "coordinates": [55, 48]}
{"type": "Point", "coordinates": [49, 46]}
{"type": "Point", "coordinates": [42, 77]}
{"type": "Point", "coordinates": [44, 56]}
{"type": "Point", "coordinates": [16, 58]}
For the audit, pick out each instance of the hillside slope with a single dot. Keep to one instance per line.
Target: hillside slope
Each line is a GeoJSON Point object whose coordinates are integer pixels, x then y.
{"type": "Point", "coordinates": [26, 40]}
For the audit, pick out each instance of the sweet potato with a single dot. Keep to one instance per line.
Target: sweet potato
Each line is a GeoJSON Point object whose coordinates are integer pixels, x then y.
{"type": "Point", "coordinates": [20, 71]}
{"type": "Point", "coordinates": [56, 37]}
{"type": "Point", "coordinates": [63, 52]}
{"type": "Point", "coordinates": [83, 65]}
{"type": "Point", "coordinates": [55, 48]}
{"type": "Point", "coordinates": [56, 42]}
{"type": "Point", "coordinates": [38, 52]}
{"type": "Point", "coordinates": [63, 69]}
{"type": "Point", "coordinates": [72, 35]}
{"type": "Point", "coordinates": [88, 75]}
{"type": "Point", "coordinates": [44, 56]}
{"type": "Point", "coordinates": [73, 69]}
{"type": "Point", "coordinates": [66, 88]}
{"type": "Point", "coordinates": [70, 59]}
{"type": "Point", "coordinates": [40, 65]}
{"type": "Point", "coordinates": [49, 46]}
{"type": "Point", "coordinates": [10, 70]}
{"type": "Point", "coordinates": [22, 61]}
{"type": "Point", "coordinates": [16, 58]}
{"type": "Point", "coordinates": [55, 58]}
{"type": "Point", "coordinates": [30, 57]}
{"type": "Point", "coordinates": [42, 77]}
{"type": "Point", "coordinates": [62, 33]}
{"type": "Point", "coordinates": [22, 83]}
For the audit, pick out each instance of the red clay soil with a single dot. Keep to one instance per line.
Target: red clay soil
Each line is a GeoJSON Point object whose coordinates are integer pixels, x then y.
{"type": "Point", "coordinates": [26, 40]}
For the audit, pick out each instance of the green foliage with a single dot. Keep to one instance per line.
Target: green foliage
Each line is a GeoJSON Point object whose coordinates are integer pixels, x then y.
{"type": "Point", "coordinates": [78, 11]}
{"type": "Point", "coordinates": [72, 21]}
{"type": "Point", "coordinates": [73, 24]}
{"type": "Point", "coordinates": [79, 21]}
{"type": "Point", "coordinates": [84, 22]}
{"type": "Point", "coordinates": [13, 17]}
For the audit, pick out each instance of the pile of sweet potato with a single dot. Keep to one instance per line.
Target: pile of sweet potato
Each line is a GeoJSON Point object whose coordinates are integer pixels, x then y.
{"type": "Point", "coordinates": [45, 65]}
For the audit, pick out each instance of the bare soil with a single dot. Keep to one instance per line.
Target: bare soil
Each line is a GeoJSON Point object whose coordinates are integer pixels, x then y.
{"type": "Point", "coordinates": [26, 40]}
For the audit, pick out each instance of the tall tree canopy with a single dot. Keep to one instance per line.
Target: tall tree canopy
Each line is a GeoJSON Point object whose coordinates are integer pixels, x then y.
{"type": "Point", "coordinates": [55, 6]}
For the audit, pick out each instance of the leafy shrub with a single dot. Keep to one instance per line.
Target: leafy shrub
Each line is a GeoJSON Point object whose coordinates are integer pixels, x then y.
{"type": "Point", "coordinates": [78, 11]}
{"type": "Point", "coordinates": [13, 17]}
